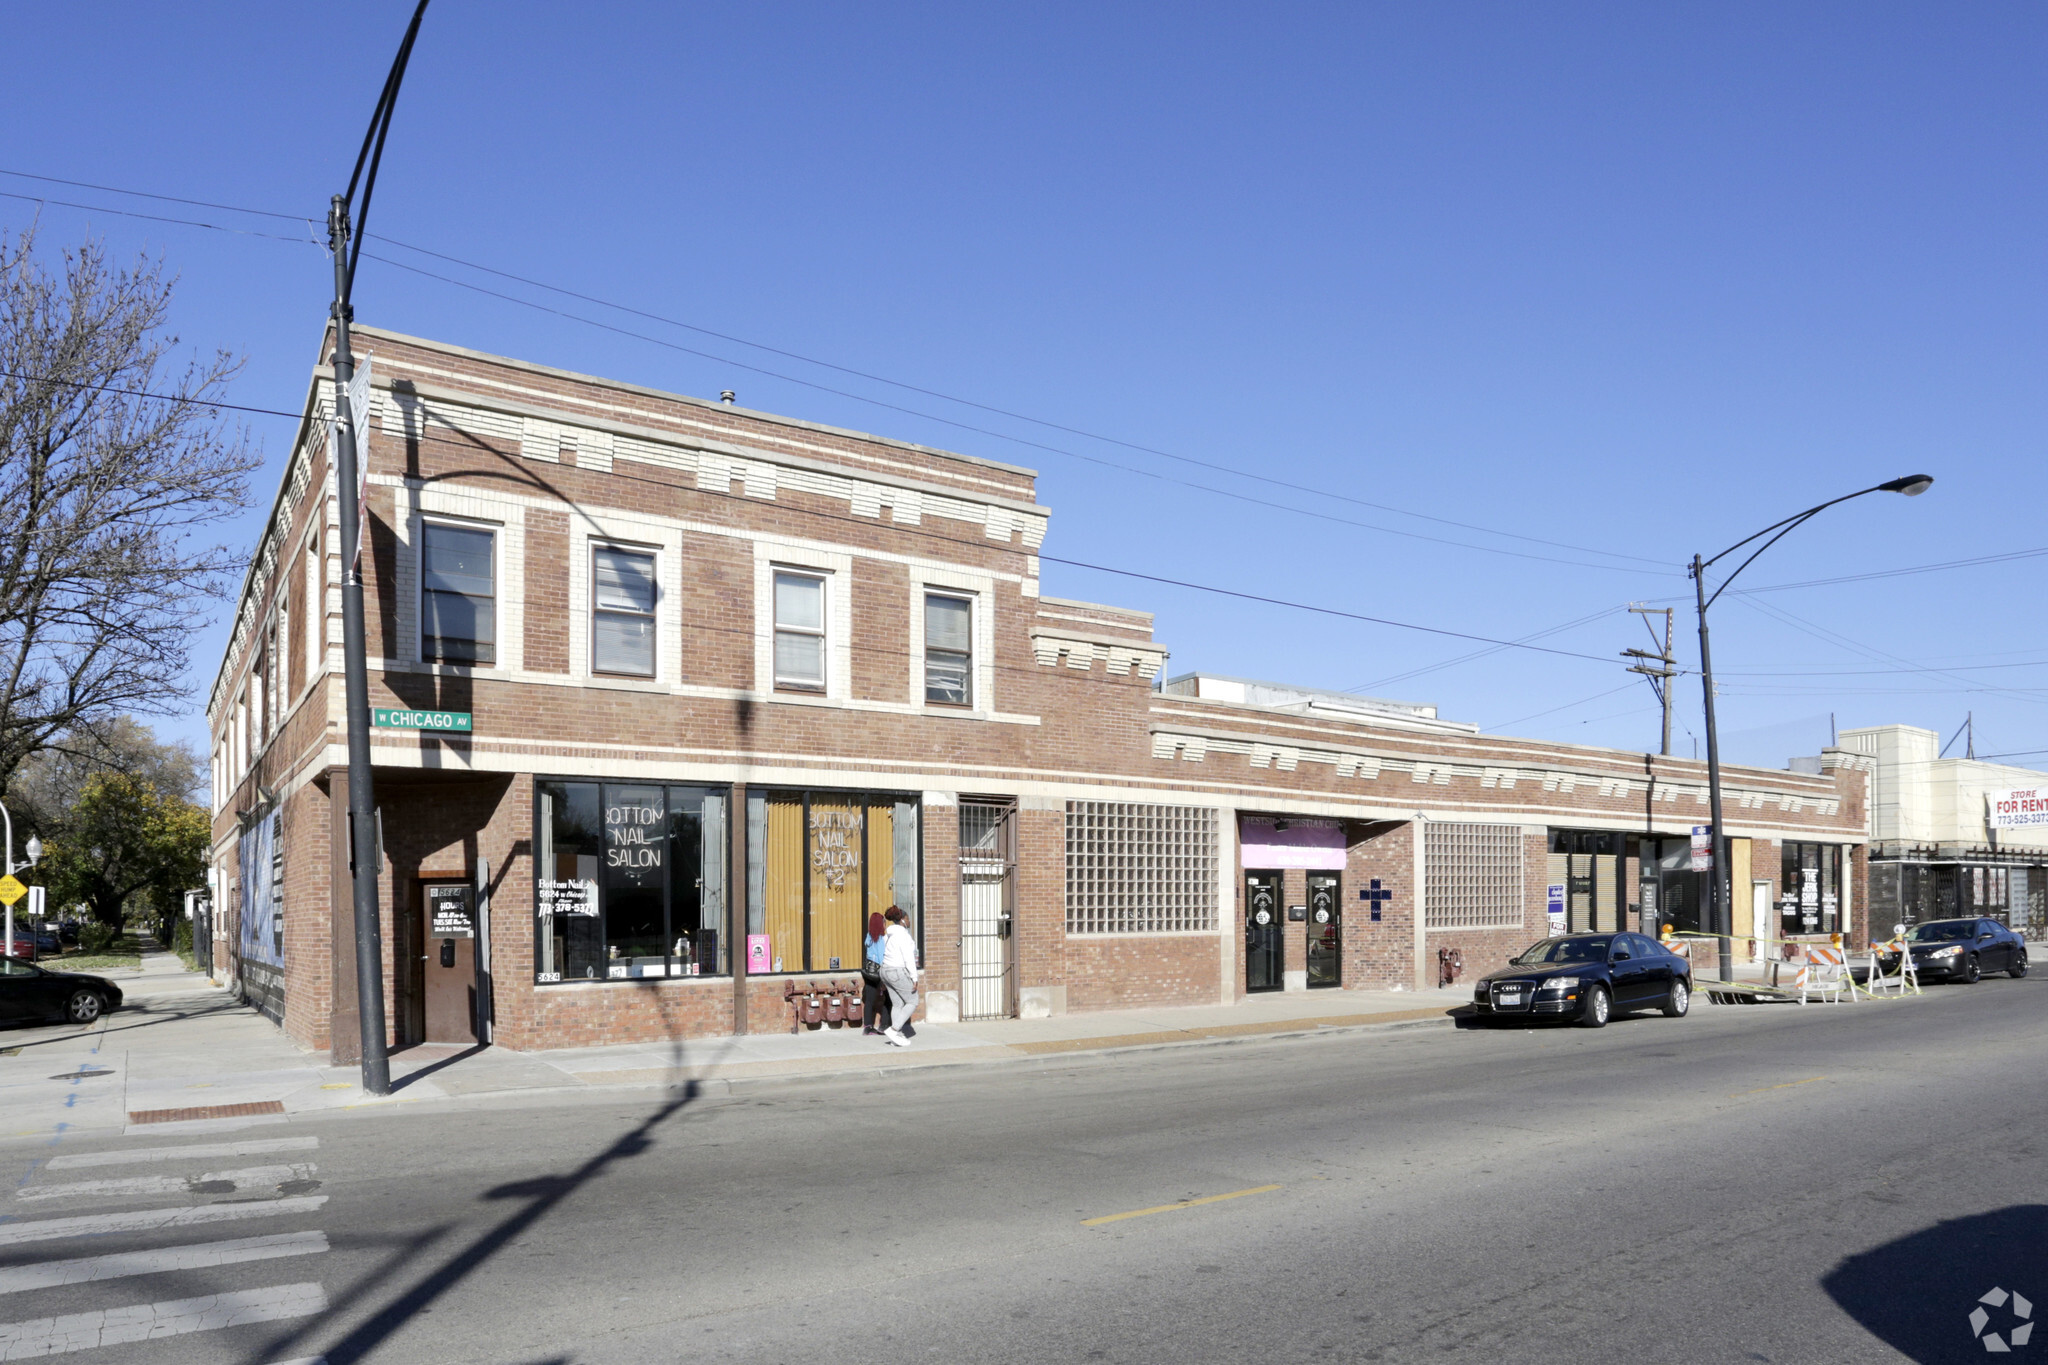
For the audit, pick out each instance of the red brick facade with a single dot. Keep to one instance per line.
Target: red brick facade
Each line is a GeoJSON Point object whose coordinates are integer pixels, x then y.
{"type": "Point", "coordinates": [1063, 708]}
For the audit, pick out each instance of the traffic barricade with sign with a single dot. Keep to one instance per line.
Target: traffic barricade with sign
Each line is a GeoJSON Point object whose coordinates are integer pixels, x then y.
{"type": "Point", "coordinates": [1824, 974]}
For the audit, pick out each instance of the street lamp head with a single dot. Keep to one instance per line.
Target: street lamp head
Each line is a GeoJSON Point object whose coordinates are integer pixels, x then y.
{"type": "Point", "coordinates": [1913, 485]}
{"type": "Point", "coordinates": [35, 850]}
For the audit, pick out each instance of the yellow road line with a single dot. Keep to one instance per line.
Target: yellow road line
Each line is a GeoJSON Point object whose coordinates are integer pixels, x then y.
{"type": "Point", "coordinates": [1183, 1204]}
{"type": "Point", "coordinates": [1738, 1094]}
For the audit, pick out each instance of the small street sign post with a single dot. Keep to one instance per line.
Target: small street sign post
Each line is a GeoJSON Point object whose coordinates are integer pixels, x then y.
{"type": "Point", "coordinates": [11, 890]}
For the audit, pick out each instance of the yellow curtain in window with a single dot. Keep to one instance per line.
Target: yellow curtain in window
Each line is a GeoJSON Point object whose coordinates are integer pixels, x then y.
{"type": "Point", "coordinates": [881, 856]}
{"type": "Point", "coordinates": [784, 893]}
{"type": "Point", "coordinates": [836, 848]}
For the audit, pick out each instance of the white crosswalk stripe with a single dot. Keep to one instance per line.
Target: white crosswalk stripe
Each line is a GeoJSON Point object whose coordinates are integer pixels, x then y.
{"type": "Point", "coordinates": [153, 1321]}
{"type": "Point", "coordinates": [147, 1220]}
{"type": "Point", "coordinates": [206, 1182]}
{"type": "Point", "coordinates": [88, 1269]}
{"type": "Point", "coordinates": [194, 1172]}
{"type": "Point", "coordinates": [253, 1147]}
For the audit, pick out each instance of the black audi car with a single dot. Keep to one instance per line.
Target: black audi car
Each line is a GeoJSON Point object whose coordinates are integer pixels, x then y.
{"type": "Point", "coordinates": [1961, 950]}
{"type": "Point", "coordinates": [29, 993]}
{"type": "Point", "coordinates": [1588, 978]}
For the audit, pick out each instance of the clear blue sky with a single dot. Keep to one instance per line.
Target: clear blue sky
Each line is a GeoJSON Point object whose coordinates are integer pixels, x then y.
{"type": "Point", "coordinates": [1640, 279]}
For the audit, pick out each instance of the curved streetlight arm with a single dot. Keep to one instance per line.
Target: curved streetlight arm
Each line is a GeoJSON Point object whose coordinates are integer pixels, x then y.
{"type": "Point", "coordinates": [1912, 486]}
{"type": "Point", "coordinates": [1790, 525]}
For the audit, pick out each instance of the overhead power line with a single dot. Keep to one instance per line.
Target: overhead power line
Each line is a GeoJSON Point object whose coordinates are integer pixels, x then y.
{"type": "Point", "coordinates": [982, 543]}
{"type": "Point", "coordinates": [1656, 565]}
{"type": "Point", "coordinates": [141, 393]}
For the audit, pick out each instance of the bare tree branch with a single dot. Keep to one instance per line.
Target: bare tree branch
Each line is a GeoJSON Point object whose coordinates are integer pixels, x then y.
{"type": "Point", "coordinates": [106, 567]}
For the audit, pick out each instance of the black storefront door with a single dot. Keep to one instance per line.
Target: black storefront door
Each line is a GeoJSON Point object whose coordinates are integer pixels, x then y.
{"type": "Point", "coordinates": [1263, 957]}
{"type": "Point", "coordinates": [1325, 930]}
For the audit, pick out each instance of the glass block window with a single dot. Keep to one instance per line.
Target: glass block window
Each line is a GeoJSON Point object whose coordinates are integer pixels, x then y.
{"type": "Point", "coordinates": [1473, 876]}
{"type": "Point", "coordinates": [1135, 869]}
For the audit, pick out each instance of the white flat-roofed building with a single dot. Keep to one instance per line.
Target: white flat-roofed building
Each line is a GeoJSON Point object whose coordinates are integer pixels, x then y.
{"type": "Point", "coordinates": [1936, 848]}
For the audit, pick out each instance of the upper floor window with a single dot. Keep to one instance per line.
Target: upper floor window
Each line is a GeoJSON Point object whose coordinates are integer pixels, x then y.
{"type": "Point", "coordinates": [458, 605]}
{"type": "Point", "coordinates": [948, 650]}
{"type": "Point", "coordinates": [622, 615]}
{"type": "Point", "coordinates": [799, 631]}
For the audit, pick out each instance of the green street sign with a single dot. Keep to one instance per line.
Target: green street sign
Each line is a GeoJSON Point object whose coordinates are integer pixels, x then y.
{"type": "Point", "coordinates": [395, 718]}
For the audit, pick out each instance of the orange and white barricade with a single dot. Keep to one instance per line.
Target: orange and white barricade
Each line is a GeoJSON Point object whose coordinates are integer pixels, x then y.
{"type": "Point", "coordinates": [1906, 981]}
{"type": "Point", "coordinates": [1824, 972]}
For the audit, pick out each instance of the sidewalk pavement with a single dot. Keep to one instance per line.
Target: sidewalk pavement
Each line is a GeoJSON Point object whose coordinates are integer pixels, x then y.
{"type": "Point", "coordinates": [183, 1054]}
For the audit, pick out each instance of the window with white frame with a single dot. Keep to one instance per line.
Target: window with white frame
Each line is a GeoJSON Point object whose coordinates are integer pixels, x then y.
{"type": "Point", "coordinates": [622, 632]}
{"type": "Point", "coordinates": [799, 630]}
{"type": "Point", "coordinates": [1473, 876]}
{"type": "Point", "coordinates": [948, 649]}
{"type": "Point", "coordinates": [1140, 869]}
{"type": "Point", "coordinates": [458, 595]}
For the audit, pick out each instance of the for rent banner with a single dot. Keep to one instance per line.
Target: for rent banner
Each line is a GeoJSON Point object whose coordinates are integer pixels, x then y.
{"type": "Point", "coordinates": [2019, 808]}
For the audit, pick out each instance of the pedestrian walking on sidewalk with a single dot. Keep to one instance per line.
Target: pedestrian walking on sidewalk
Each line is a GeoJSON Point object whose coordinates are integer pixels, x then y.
{"type": "Point", "coordinates": [874, 996]}
{"type": "Point", "coordinates": [899, 974]}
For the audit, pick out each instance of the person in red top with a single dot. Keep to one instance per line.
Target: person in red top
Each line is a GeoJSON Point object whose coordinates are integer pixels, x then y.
{"type": "Point", "coordinates": [874, 996]}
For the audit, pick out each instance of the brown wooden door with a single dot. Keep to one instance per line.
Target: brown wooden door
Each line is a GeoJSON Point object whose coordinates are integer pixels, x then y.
{"type": "Point", "coordinates": [447, 964]}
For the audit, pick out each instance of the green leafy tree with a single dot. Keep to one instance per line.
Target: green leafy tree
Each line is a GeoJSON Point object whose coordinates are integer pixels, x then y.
{"type": "Point", "coordinates": [127, 840]}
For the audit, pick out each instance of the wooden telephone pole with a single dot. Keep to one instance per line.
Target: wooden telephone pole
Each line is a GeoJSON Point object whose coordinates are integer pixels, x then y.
{"type": "Point", "coordinates": [1656, 667]}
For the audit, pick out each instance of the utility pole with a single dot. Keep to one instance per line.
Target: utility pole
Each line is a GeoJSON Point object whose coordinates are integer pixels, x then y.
{"type": "Point", "coordinates": [1660, 677]}
{"type": "Point", "coordinates": [362, 799]}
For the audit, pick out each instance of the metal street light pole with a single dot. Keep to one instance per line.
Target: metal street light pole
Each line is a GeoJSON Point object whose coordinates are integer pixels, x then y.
{"type": "Point", "coordinates": [7, 944]}
{"type": "Point", "coordinates": [362, 803]}
{"type": "Point", "coordinates": [1723, 899]}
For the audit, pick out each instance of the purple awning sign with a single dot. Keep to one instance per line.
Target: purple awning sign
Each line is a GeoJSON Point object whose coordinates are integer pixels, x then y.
{"type": "Point", "coordinates": [1317, 845]}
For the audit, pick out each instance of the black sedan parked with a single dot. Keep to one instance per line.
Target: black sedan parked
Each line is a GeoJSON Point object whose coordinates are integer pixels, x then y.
{"type": "Point", "coordinates": [1962, 950]}
{"type": "Point", "coordinates": [1588, 978]}
{"type": "Point", "coordinates": [29, 992]}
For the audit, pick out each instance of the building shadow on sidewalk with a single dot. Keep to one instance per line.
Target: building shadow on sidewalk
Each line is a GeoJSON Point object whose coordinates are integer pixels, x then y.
{"type": "Point", "coordinates": [399, 1083]}
{"type": "Point", "coordinates": [1917, 1293]}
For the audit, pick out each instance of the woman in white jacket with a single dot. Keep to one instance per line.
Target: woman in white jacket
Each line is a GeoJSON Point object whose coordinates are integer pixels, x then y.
{"type": "Point", "coordinates": [899, 974]}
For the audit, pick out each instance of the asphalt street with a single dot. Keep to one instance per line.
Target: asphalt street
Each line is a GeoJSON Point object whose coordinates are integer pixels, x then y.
{"type": "Point", "coordinates": [1767, 1183]}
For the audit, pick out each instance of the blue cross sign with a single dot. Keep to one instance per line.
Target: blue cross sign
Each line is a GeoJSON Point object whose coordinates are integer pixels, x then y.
{"type": "Point", "coordinates": [1378, 895]}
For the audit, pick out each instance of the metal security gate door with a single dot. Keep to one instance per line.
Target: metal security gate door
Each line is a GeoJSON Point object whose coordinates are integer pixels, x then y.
{"type": "Point", "coordinates": [987, 862]}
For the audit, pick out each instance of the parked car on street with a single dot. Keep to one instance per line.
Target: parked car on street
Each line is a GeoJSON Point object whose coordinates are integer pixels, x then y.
{"type": "Point", "coordinates": [1961, 950]}
{"type": "Point", "coordinates": [29, 992]}
{"type": "Point", "coordinates": [1588, 978]}
{"type": "Point", "coordinates": [23, 947]}
{"type": "Point", "coordinates": [67, 931]}
{"type": "Point", "coordinates": [48, 944]}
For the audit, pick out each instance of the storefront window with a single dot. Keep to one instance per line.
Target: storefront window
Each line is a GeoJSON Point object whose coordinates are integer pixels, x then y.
{"type": "Point", "coordinates": [630, 881]}
{"type": "Point", "coordinates": [1810, 888]}
{"type": "Point", "coordinates": [818, 863]}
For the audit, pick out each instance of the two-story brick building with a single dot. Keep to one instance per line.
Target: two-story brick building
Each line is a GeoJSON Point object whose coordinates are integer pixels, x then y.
{"type": "Point", "coordinates": [728, 681]}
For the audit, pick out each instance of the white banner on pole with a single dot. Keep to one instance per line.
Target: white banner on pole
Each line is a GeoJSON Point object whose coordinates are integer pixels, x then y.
{"type": "Point", "coordinates": [359, 402]}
